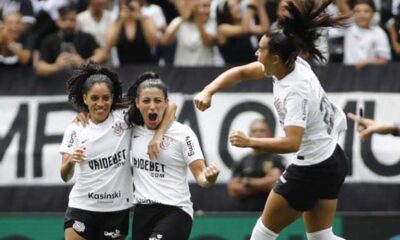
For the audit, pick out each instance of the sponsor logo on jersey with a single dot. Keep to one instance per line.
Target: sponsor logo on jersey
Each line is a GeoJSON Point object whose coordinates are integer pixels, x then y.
{"type": "Point", "coordinates": [116, 160]}
{"type": "Point", "coordinates": [157, 237]}
{"type": "Point", "coordinates": [104, 196]}
{"type": "Point", "coordinates": [156, 169]}
{"type": "Point", "coordinates": [78, 226]}
{"type": "Point", "coordinates": [72, 139]}
{"type": "Point", "coordinates": [118, 130]}
{"type": "Point", "coordinates": [115, 234]}
{"type": "Point", "coordinates": [190, 146]}
{"type": "Point", "coordinates": [166, 142]}
{"type": "Point", "coordinates": [146, 201]}
{"type": "Point", "coordinates": [280, 108]}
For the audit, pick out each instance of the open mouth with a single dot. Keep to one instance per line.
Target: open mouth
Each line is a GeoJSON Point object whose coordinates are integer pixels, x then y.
{"type": "Point", "coordinates": [153, 116]}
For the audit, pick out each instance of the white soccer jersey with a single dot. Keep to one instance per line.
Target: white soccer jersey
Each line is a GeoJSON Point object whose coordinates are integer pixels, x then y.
{"type": "Point", "coordinates": [301, 101]}
{"type": "Point", "coordinates": [362, 44]}
{"type": "Point", "coordinates": [104, 183]}
{"type": "Point", "coordinates": [164, 180]}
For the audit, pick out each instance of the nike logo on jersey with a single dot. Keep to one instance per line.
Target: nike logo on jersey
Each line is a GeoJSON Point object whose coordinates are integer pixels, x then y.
{"type": "Point", "coordinates": [84, 141]}
{"type": "Point", "coordinates": [134, 136]}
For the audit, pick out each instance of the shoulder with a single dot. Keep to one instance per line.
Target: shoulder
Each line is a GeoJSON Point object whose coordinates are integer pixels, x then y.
{"type": "Point", "coordinates": [378, 30]}
{"type": "Point", "coordinates": [74, 127]}
{"type": "Point", "coordinates": [178, 129]}
{"type": "Point", "coordinates": [83, 15]}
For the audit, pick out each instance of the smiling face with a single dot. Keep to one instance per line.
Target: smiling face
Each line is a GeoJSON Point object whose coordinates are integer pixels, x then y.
{"type": "Point", "coordinates": [98, 99]}
{"type": "Point", "coordinates": [152, 104]}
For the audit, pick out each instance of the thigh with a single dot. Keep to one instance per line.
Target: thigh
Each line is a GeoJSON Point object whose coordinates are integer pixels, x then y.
{"type": "Point", "coordinates": [114, 225]}
{"type": "Point", "coordinates": [321, 215]}
{"type": "Point", "coordinates": [175, 225]}
{"type": "Point", "coordinates": [278, 213]}
{"type": "Point", "coordinates": [70, 234]}
{"type": "Point", "coordinates": [142, 224]}
{"type": "Point", "coordinates": [77, 230]}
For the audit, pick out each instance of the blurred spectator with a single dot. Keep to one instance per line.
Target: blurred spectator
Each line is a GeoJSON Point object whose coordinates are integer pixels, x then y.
{"type": "Point", "coordinates": [133, 34]}
{"type": "Point", "coordinates": [22, 6]}
{"type": "Point", "coordinates": [365, 43]}
{"type": "Point", "coordinates": [235, 30]}
{"type": "Point", "coordinates": [95, 20]}
{"type": "Point", "coordinates": [195, 34]}
{"type": "Point", "coordinates": [338, 8]}
{"type": "Point", "coordinates": [255, 174]}
{"type": "Point", "coordinates": [13, 50]}
{"type": "Point", "coordinates": [46, 16]}
{"type": "Point", "coordinates": [68, 47]}
{"type": "Point", "coordinates": [393, 26]}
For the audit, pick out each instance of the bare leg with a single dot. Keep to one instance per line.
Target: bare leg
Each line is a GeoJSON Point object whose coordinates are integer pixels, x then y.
{"type": "Point", "coordinates": [70, 234]}
{"type": "Point", "coordinates": [278, 213]}
{"type": "Point", "coordinates": [321, 216]}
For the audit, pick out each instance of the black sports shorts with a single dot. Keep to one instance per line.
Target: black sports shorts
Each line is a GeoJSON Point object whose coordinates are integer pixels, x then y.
{"type": "Point", "coordinates": [161, 222]}
{"type": "Point", "coordinates": [97, 225]}
{"type": "Point", "coordinates": [303, 186]}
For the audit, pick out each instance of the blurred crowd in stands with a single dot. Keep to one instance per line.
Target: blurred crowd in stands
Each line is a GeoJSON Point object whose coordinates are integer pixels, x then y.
{"type": "Point", "coordinates": [57, 35]}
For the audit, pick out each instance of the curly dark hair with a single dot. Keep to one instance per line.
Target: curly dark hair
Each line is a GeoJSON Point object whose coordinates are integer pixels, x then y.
{"type": "Point", "coordinates": [145, 80]}
{"type": "Point", "coordinates": [85, 77]}
{"type": "Point", "coordinates": [298, 31]}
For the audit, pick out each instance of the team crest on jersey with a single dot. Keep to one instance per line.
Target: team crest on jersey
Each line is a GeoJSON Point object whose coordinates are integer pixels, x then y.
{"type": "Point", "coordinates": [166, 142]}
{"type": "Point", "coordinates": [118, 130]}
{"type": "Point", "coordinates": [267, 165]}
{"type": "Point", "coordinates": [78, 226]}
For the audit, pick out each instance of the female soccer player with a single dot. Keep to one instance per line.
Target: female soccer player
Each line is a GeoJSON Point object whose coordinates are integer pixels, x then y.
{"type": "Point", "coordinates": [163, 209]}
{"type": "Point", "coordinates": [312, 123]}
{"type": "Point", "coordinates": [99, 201]}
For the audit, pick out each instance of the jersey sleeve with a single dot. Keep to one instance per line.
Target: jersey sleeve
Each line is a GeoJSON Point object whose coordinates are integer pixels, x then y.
{"type": "Point", "coordinates": [296, 106]}
{"type": "Point", "coordinates": [191, 147]}
{"type": "Point", "coordinates": [70, 140]}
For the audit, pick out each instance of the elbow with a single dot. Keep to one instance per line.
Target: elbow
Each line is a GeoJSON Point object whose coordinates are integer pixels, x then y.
{"type": "Point", "coordinates": [291, 148]}
{"type": "Point", "coordinates": [64, 178]}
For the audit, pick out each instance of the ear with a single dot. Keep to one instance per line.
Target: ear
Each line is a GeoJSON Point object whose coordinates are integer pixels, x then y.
{"type": "Point", "coordinates": [276, 59]}
{"type": "Point", "coordinates": [85, 99]}
{"type": "Point", "coordinates": [137, 101]}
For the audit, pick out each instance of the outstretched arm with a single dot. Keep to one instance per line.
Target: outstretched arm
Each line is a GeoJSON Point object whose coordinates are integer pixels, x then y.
{"type": "Point", "coordinates": [226, 80]}
{"type": "Point", "coordinates": [367, 127]}
{"type": "Point", "coordinates": [287, 144]}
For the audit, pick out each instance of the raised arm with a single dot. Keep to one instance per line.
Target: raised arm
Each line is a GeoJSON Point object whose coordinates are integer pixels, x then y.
{"type": "Point", "coordinates": [68, 164]}
{"type": "Point", "coordinates": [205, 176]}
{"type": "Point", "coordinates": [226, 80]}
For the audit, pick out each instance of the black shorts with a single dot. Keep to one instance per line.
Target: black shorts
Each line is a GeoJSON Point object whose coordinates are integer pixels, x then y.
{"type": "Point", "coordinates": [303, 186]}
{"type": "Point", "coordinates": [160, 222]}
{"type": "Point", "coordinates": [97, 225]}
